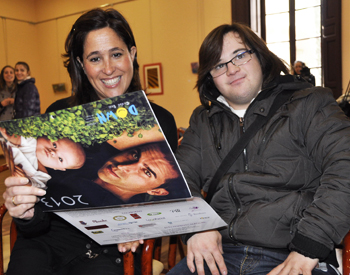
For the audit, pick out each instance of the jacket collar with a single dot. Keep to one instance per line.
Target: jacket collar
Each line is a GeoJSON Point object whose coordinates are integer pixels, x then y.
{"type": "Point", "coordinates": [279, 84]}
{"type": "Point", "coordinates": [30, 79]}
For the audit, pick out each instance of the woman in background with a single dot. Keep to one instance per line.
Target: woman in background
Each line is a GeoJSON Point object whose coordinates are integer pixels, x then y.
{"type": "Point", "coordinates": [8, 87]}
{"type": "Point", "coordinates": [27, 102]}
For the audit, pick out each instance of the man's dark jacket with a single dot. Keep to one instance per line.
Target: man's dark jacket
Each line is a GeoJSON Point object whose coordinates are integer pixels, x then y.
{"type": "Point", "coordinates": [290, 189]}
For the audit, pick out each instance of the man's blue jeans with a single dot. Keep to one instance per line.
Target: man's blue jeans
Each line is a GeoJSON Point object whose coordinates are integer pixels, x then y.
{"type": "Point", "coordinates": [249, 260]}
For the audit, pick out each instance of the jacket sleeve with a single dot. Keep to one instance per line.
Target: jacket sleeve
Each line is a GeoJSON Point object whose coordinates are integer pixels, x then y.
{"type": "Point", "coordinates": [189, 156]}
{"type": "Point", "coordinates": [30, 100]}
{"type": "Point", "coordinates": [326, 220]}
{"type": "Point", "coordinates": [189, 152]}
{"type": "Point", "coordinates": [2, 97]}
{"type": "Point", "coordinates": [39, 224]}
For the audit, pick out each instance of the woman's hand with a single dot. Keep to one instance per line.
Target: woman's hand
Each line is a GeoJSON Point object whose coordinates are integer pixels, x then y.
{"type": "Point", "coordinates": [20, 197]}
{"type": "Point", "coordinates": [7, 101]}
{"type": "Point", "coordinates": [125, 247]}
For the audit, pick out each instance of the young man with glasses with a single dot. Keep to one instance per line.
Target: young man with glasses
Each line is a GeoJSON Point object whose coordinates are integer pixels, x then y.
{"type": "Point", "coordinates": [287, 199]}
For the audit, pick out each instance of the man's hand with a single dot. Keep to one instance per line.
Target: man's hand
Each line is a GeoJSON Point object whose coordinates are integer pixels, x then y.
{"type": "Point", "coordinates": [206, 246]}
{"type": "Point", "coordinates": [125, 247]}
{"type": "Point", "coordinates": [295, 264]}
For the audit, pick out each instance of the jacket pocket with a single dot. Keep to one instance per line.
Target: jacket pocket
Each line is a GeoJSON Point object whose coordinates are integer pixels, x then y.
{"type": "Point", "coordinates": [223, 203]}
{"type": "Point", "coordinates": [296, 217]}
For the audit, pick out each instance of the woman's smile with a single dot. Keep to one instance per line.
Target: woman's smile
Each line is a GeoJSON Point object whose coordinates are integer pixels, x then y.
{"type": "Point", "coordinates": [108, 63]}
{"type": "Point", "coordinates": [112, 82]}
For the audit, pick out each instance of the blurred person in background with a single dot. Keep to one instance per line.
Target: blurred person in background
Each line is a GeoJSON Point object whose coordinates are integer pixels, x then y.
{"type": "Point", "coordinates": [8, 87]}
{"type": "Point", "coordinates": [299, 68]}
{"type": "Point", "coordinates": [27, 102]}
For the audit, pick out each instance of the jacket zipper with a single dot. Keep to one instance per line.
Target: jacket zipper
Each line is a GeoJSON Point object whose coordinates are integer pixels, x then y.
{"type": "Point", "coordinates": [216, 140]}
{"type": "Point", "coordinates": [230, 183]}
{"type": "Point", "coordinates": [242, 130]}
{"type": "Point", "coordinates": [237, 204]}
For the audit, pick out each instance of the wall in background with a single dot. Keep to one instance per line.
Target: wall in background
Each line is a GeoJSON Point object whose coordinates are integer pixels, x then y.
{"type": "Point", "coordinates": [168, 31]}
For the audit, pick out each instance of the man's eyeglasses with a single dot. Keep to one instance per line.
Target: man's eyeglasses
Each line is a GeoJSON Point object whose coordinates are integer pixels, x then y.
{"type": "Point", "coordinates": [239, 60]}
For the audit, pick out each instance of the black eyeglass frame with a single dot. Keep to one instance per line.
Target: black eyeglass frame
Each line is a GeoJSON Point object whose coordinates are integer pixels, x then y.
{"type": "Point", "coordinates": [230, 61]}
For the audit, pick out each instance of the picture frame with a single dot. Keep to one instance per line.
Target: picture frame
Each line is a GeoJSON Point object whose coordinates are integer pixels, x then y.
{"type": "Point", "coordinates": [59, 87]}
{"type": "Point", "coordinates": [194, 67]}
{"type": "Point", "coordinates": [153, 79]}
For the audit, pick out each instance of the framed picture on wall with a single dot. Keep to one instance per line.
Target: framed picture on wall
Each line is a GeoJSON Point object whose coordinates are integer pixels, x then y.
{"type": "Point", "coordinates": [153, 79]}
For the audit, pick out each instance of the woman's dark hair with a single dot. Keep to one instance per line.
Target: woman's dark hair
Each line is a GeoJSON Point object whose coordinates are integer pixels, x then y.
{"type": "Point", "coordinates": [94, 20]}
{"type": "Point", "coordinates": [2, 79]}
{"type": "Point", "coordinates": [210, 53]}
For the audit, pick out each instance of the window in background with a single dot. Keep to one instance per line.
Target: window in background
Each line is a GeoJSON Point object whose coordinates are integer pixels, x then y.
{"type": "Point", "coordinates": [293, 32]}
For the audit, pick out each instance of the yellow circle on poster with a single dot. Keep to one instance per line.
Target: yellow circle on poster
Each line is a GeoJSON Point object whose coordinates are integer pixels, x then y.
{"type": "Point", "coordinates": [122, 112]}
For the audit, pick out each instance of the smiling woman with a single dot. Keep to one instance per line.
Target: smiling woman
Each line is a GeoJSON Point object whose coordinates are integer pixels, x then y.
{"type": "Point", "coordinates": [101, 59]}
{"type": "Point", "coordinates": [107, 62]}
